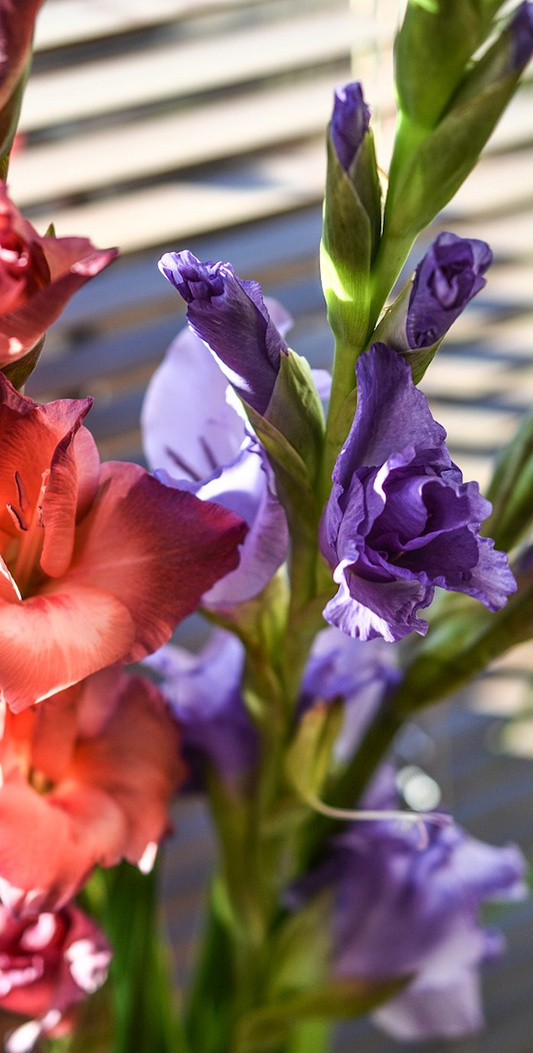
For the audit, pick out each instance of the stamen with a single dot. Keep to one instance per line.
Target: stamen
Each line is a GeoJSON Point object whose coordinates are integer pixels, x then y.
{"type": "Point", "coordinates": [181, 463]}
{"type": "Point", "coordinates": [17, 517]}
{"type": "Point", "coordinates": [419, 819]}
{"type": "Point", "coordinates": [31, 542]}
{"type": "Point", "coordinates": [211, 459]}
{"type": "Point", "coordinates": [22, 492]}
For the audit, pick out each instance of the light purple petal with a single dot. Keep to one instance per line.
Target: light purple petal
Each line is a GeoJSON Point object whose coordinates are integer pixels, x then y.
{"type": "Point", "coordinates": [248, 485]}
{"type": "Point", "coordinates": [447, 1010]}
{"type": "Point", "coordinates": [188, 426]}
{"type": "Point", "coordinates": [204, 693]}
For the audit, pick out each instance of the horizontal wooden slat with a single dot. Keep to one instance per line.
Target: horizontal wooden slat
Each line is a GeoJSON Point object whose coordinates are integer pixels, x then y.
{"type": "Point", "coordinates": [169, 142]}
{"type": "Point", "coordinates": [185, 68]}
{"type": "Point", "coordinates": [64, 22]}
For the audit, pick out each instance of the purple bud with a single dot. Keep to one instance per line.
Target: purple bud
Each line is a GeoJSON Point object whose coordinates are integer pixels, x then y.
{"type": "Point", "coordinates": [230, 316]}
{"type": "Point", "coordinates": [521, 31]}
{"type": "Point", "coordinates": [349, 122]}
{"type": "Point", "coordinates": [446, 279]}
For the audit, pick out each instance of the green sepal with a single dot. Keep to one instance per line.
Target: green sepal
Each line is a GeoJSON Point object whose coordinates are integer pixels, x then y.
{"type": "Point", "coordinates": [343, 998]}
{"type": "Point", "coordinates": [300, 949]}
{"type": "Point", "coordinates": [511, 489]}
{"type": "Point", "coordinates": [432, 48]}
{"type": "Point", "coordinates": [308, 759]}
{"type": "Point", "coordinates": [292, 432]}
{"type": "Point", "coordinates": [296, 411]}
{"type": "Point", "coordinates": [346, 252]}
{"type": "Point", "coordinates": [391, 331]}
{"type": "Point", "coordinates": [9, 119]}
{"type": "Point", "coordinates": [19, 371]}
{"type": "Point", "coordinates": [440, 164]}
{"type": "Point", "coordinates": [235, 891]}
{"type": "Point", "coordinates": [281, 452]}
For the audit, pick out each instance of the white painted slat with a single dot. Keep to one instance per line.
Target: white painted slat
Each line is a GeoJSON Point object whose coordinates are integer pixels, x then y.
{"type": "Point", "coordinates": [198, 135]}
{"type": "Point", "coordinates": [64, 22]}
{"type": "Point", "coordinates": [184, 68]}
{"type": "Point", "coordinates": [169, 214]}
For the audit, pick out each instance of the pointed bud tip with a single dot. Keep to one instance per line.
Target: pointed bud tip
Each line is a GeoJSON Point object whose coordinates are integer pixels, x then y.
{"type": "Point", "coordinates": [349, 123]}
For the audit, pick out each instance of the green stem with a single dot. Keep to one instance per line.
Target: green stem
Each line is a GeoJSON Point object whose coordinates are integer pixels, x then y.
{"type": "Point", "coordinates": [146, 1011]}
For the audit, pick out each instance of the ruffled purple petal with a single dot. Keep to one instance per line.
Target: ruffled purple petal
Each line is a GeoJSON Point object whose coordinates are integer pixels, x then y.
{"type": "Point", "coordinates": [446, 279]}
{"type": "Point", "coordinates": [400, 520]}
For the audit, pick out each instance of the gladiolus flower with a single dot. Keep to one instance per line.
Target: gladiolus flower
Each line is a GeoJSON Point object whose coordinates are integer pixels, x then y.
{"type": "Point", "coordinates": [38, 275]}
{"type": "Point", "coordinates": [48, 963]}
{"type": "Point", "coordinates": [411, 913]}
{"type": "Point", "coordinates": [91, 774]}
{"type": "Point", "coordinates": [400, 520]}
{"type": "Point", "coordinates": [98, 562]}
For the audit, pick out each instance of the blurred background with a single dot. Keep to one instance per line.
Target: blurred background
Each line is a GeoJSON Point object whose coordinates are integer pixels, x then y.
{"type": "Point", "coordinates": [163, 124]}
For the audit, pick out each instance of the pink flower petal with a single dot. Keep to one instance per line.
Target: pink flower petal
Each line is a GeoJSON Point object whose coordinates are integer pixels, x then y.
{"type": "Point", "coordinates": [50, 641]}
{"type": "Point", "coordinates": [155, 549]}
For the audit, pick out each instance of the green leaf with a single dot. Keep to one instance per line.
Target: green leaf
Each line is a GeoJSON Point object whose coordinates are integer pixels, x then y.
{"type": "Point", "coordinates": [511, 489]}
{"type": "Point", "coordinates": [280, 450]}
{"type": "Point", "coordinates": [334, 999]}
{"type": "Point", "coordinates": [463, 639]}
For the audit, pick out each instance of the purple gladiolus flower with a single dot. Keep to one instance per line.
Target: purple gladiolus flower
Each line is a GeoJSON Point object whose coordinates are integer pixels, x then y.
{"type": "Point", "coordinates": [204, 694]}
{"type": "Point", "coordinates": [448, 276]}
{"type": "Point", "coordinates": [406, 912]}
{"type": "Point", "coordinates": [400, 520]}
{"type": "Point", "coordinates": [349, 122]}
{"type": "Point", "coordinates": [230, 316]}
{"type": "Point", "coordinates": [195, 434]}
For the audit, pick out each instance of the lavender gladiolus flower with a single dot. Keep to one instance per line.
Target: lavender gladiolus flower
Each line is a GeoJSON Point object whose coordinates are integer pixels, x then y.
{"type": "Point", "coordinates": [401, 911]}
{"type": "Point", "coordinates": [196, 436]}
{"type": "Point", "coordinates": [230, 316]}
{"type": "Point", "coordinates": [361, 674]}
{"type": "Point", "coordinates": [204, 694]}
{"type": "Point", "coordinates": [349, 122]}
{"type": "Point", "coordinates": [448, 276]}
{"type": "Point", "coordinates": [400, 520]}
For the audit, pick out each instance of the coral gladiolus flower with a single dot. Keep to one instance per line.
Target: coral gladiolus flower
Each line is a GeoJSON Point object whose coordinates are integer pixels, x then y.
{"type": "Point", "coordinates": [38, 275]}
{"type": "Point", "coordinates": [48, 963]}
{"type": "Point", "coordinates": [17, 18]}
{"type": "Point", "coordinates": [91, 775]}
{"type": "Point", "coordinates": [98, 563]}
